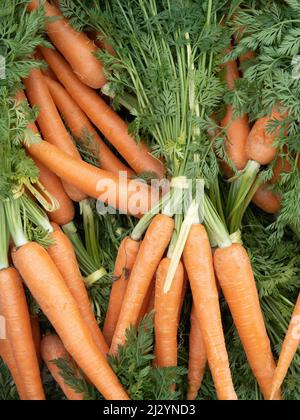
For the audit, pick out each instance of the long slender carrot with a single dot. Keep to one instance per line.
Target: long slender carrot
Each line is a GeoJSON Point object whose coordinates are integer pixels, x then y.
{"type": "Point", "coordinates": [53, 349]}
{"type": "Point", "coordinates": [63, 255]}
{"type": "Point", "coordinates": [109, 123]}
{"type": "Point", "coordinates": [235, 275]}
{"type": "Point", "coordinates": [166, 314]}
{"type": "Point", "coordinates": [149, 256]}
{"type": "Point", "coordinates": [46, 71]}
{"type": "Point", "coordinates": [15, 311]}
{"type": "Point", "coordinates": [81, 129]}
{"type": "Point", "coordinates": [76, 47]}
{"type": "Point", "coordinates": [52, 294]}
{"type": "Point", "coordinates": [288, 351]}
{"type": "Point", "coordinates": [198, 262]}
{"type": "Point", "coordinates": [130, 197]}
{"type": "Point", "coordinates": [266, 199]}
{"type": "Point", "coordinates": [197, 357]}
{"type": "Point", "coordinates": [127, 253]}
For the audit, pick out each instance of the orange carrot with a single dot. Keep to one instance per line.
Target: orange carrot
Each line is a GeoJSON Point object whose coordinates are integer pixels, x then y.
{"type": "Point", "coordinates": [81, 129]}
{"type": "Point", "coordinates": [53, 349]}
{"type": "Point", "coordinates": [63, 255]}
{"type": "Point", "coordinates": [235, 275]}
{"type": "Point", "coordinates": [149, 256]}
{"type": "Point", "coordinates": [56, 301]}
{"type": "Point", "coordinates": [148, 303]}
{"type": "Point", "coordinates": [166, 314]}
{"type": "Point", "coordinates": [288, 351]}
{"type": "Point", "coordinates": [197, 357]}
{"type": "Point", "coordinates": [198, 262]}
{"type": "Point", "coordinates": [36, 335]}
{"type": "Point", "coordinates": [127, 253]}
{"type": "Point", "coordinates": [14, 309]}
{"type": "Point", "coordinates": [75, 46]}
{"type": "Point", "coordinates": [101, 42]}
{"type": "Point", "coordinates": [131, 197]}
{"type": "Point", "coordinates": [50, 123]}
{"type": "Point", "coordinates": [109, 123]}
{"type": "Point", "coordinates": [266, 199]}
{"type": "Point", "coordinates": [46, 71]}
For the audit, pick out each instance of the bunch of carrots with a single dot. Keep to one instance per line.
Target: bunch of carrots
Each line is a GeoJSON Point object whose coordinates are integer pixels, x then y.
{"type": "Point", "coordinates": [157, 262]}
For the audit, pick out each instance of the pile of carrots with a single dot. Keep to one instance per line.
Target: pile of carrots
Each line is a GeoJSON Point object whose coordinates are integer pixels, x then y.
{"type": "Point", "coordinates": [70, 107]}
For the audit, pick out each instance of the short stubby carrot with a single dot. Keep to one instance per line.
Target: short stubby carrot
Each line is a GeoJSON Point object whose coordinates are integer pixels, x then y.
{"type": "Point", "coordinates": [63, 255]}
{"type": "Point", "coordinates": [111, 125]}
{"type": "Point", "coordinates": [198, 262]}
{"type": "Point", "coordinates": [236, 278]}
{"type": "Point", "coordinates": [75, 46]}
{"type": "Point", "coordinates": [14, 309]}
{"type": "Point", "coordinates": [289, 348]}
{"type": "Point", "coordinates": [127, 254]}
{"type": "Point", "coordinates": [197, 357]}
{"type": "Point", "coordinates": [48, 287]}
{"type": "Point", "coordinates": [166, 314]}
{"type": "Point", "coordinates": [149, 256]}
{"type": "Point", "coordinates": [266, 199]}
{"type": "Point", "coordinates": [52, 349]}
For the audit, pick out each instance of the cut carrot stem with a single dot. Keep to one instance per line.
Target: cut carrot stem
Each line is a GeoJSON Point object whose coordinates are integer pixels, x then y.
{"type": "Point", "coordinates": [115, 130]}
{"type": "Point", "coordinates": [126, 257]}
{"type": "Point", "coordinates": [75, 46]}
{"type": "Point", "coordinates": [52, 349]}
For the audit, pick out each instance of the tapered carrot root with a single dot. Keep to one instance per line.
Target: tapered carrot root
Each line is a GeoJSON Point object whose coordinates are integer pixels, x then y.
{"type": "Point", "coordinates": [50, 123]}
{"type": "Point", "coordinates": [63, 255]}
{"type": "Point", "coordinates": [199, 265]}
{"type": "Point", "coordinates": [197, 357]}
{"type": "Point", "coordinates": [130, 197]}
{"type": "Point", "coordinates": [76, 47]}
{"type": "Point", "coordinates": [52, 294]}
{"type": "Point", "coordinates": [166, 314]}
{"type": "Point", "coordinates": [288, 351]}
{"type": "Point", "coordinates": [109, 123]}
{"type": "Point", "coordinates": [81, 129]}
{"type": "Point", "coordinates": [149, 256]}
{"type": "Point", "coordinates": [15, 311]}
{"type": "Point", "coordinates": [53, 349]}
{"type": "Point", "coordinates": [127, 254]}
{"type": "Point", "coordinates": [267, 200]}
{"type": "Point", "coordinates": [235, 275]}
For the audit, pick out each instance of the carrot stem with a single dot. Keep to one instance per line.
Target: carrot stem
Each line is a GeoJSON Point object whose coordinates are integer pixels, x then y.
{"type": "Point", "coordinates": [35, 213]}
{"type": "Point", "coordinates": [13, 217]}
{"type": "Point", "coordinates": [4, 240]}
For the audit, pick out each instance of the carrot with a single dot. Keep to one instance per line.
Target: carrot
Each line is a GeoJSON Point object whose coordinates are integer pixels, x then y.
{"type": "Point", "coordinates": [53, 349]}
{"type": "Point", "coordinates": [236, 278]}
{"type": "Point", "coordinates": [260, 144]}
{"type": "Point", "coordinates": [7, 355]}
{"type": "Point", "coordinates": [197, 357]}
{"type": "Point", "coordinates": [50, 123]}
{"type": "Point", "coordinates": [199, 265]}
{"type": "Point", "coordinates": [14, 309]}
{"type": "Point", "coordinates": [166, 314]}
{"type": "Point", "coordinates": [36, 335]}
{"type": "Point", "coordinates": [101, 42]}
{"type": "Point", "coordinates": [149, 256]}
{"type": "Point", "coordinates": [237, 130]}
{"type": "Point", "coordinates": [63, 255]}
{"type": "Point", "coordinates": [46, 71]}
{"type": "Point", "coordinates": [288, 351]}
{"type": "Point", "coordinates": [131, 197]}
{"type": "Point", "coordinates": [75, 46]}
{"type": "Point", "coordinates": [108, 122]}
{"type": "Point", "coordinates": [65, 213]}
{"type": "Point", "coordinates": [266, 199]}
{"type": "Point", "coordinates": [127, 253]}
{"type": "Point", "coordinates": [56, 301]}
{"type": "Point", "coordinates": [81, 129]}
{"type": "Point", "coordinates": [148, 302]}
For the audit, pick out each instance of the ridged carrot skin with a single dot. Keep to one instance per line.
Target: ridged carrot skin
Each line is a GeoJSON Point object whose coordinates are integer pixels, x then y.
{"type": "Point", "coordinates": [290, 346]}
{"type": "Point", "coordinates": [75, 46]}
{"type": "Point", "coordinates": [126, 257]}
{"type": "Point", "coordinates": [63, 255]}
{"type": "Point", "coordinates": [14, 309]}
{"type": "Point", "coordinates": [53, 296]}
{"type": "Point", "coordinates": [266, 199]}
{"type": "Point", "coordinates": [197, 357]}
{"type": "Point", "coordinates": [198, 262]}
{"type": "Point", "coordinates": [166, 314]}
{"type": "Point", "coordinates": [236, 278]}
{"type": "Point", "coordinates": [53, 349]}
{"type": "Point", "coordinates": [112, 126]}
{"type": "Point", "coordinates": [151, 252]}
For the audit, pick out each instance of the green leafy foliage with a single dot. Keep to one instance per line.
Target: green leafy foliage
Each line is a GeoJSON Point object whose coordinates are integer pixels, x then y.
{"type": "Point", "coordinates": [8, 390]}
